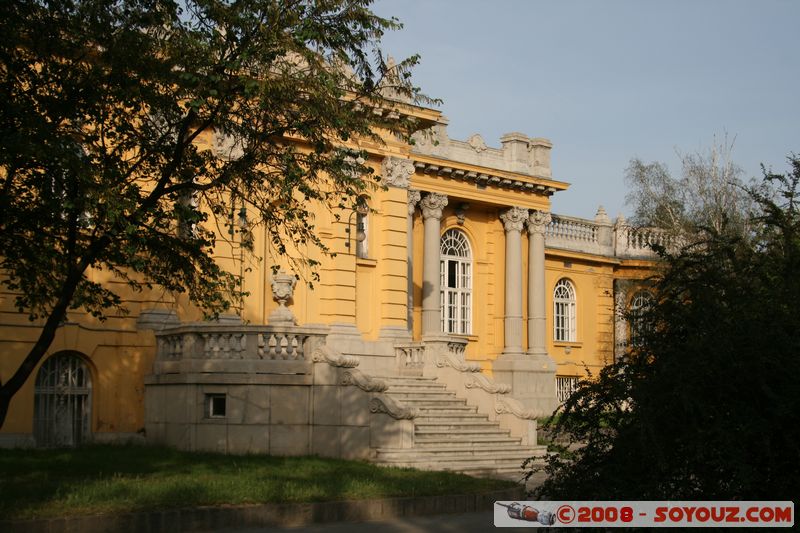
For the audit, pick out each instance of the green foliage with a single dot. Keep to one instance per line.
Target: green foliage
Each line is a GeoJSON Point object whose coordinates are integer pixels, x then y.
{"type": "Point", "coordinates": [707, 405]}
{"type": "Point", "coordinates": [121, 479]}
{"type": "Point", "coordinates": [102, 105]}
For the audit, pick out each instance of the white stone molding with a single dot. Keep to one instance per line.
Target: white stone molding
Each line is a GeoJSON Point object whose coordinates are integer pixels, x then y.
{"type": "Point", "coordinates": [432, 205]}
{"type": "Point", "coordinates": [538, 221]}
{"type": "Point", "coordinates": [514, 218]}
{"type": "Point", "coordinates": [363, 381]}
{"type": "Point", "coordinates": [458, 364]}
{"type": "Point", "coordinates": [414, 196]}
{"type": "Point", "coordinates": [226, 147]}
{"type": "Point", "coordinates": [476, 142]}
{"type": "Point", "coordinates": [514, 407]}
{"type": "Point", "coordinates": [396, 171]}
{"type": "Point", "coordinates": [483, 382]}
{"type": "Point", "coordinates": [393, 408]}
{"type": "Point", "coordinates": [326, 354]}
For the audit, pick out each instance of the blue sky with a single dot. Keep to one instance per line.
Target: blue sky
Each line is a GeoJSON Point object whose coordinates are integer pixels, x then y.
{"type": "Point", "coordinates": [610, 80]}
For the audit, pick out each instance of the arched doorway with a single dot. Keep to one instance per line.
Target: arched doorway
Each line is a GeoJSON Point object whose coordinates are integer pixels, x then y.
{"type": "Point", "coordinates": [62, 401]}
{"type": "Point", "coordinates": [455, 269]}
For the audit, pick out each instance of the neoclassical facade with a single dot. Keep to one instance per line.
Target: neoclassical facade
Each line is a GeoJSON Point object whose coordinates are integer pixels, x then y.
{"type": "Point", "coordinates": [455, 272]}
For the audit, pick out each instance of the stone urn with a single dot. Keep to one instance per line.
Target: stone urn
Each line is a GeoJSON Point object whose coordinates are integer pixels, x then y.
{"type": "Point", "coordinates": [282, 290]}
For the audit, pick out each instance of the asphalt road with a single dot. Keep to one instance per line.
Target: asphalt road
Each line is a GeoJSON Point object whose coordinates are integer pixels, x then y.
{"type": "Point", "coordinates": [446, 523]}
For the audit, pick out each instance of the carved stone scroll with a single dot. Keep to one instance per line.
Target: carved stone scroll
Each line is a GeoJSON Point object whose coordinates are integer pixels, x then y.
{"type": "Point", "coordinates": [363, 381]}
{"type": "Point", "coordinates": [512, 406]}
{"type": "Point", "coordinates": [482, 382]}
{"type": "Point", "coordinates": [326, 354]}
{"type": "Point", "coordinates": [393, 408]}
{"type": "Point", "coordinates": [456, 363]}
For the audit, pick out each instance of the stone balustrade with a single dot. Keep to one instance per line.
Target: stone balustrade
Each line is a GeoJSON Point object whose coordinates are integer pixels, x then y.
{"type": "Point", "coordinates": [601, 237]}
{"type": "Point", "coordinates": [410, 356]}
{"type": "Point", "coordinates": [215, 347]}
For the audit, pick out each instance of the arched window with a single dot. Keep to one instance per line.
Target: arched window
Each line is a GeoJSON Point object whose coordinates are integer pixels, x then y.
{"type": "Point", "coordinates": [62, 399]}
{"type": "Point", "coordinates": [641, 302]}
{"type": "Point", "coordinates": [564, 312]}
{"type": "Point", "coordinates": [455, 272]}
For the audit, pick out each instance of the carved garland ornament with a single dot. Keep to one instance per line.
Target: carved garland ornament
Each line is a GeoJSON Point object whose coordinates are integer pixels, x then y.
{"type": "Point", "coordinates": [363, 381]}
{"type": "Point", "coordinates": [393, 408]}
{"type": "Point", "coordinates": [326, 354]}
{"type": "Point", "coordinates": [482, 382]}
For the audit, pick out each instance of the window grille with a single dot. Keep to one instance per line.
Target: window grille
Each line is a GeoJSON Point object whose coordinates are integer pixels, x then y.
{"type": "Point", "coordinates": [565, 386]}
{"type": "Point", "coordinates": [641, 302]}
{"type": "Point", "coordinates": [564, 312]}
{"type": "Point", "coordinates": [62, 402]}
{"type": "Point", "coordinates": [455, 282]}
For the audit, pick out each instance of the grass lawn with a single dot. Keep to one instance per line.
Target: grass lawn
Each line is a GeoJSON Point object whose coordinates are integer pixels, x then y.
{"type": "Point", "coordinates": [105, 479]}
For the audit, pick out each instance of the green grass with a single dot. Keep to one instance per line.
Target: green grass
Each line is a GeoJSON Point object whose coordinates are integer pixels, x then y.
{"type": "Point", "coordinates": [106, 479]}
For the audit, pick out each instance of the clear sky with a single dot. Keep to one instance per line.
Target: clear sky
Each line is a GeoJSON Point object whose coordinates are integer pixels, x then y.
{"type": "Point", "coordinates": [609, 80]}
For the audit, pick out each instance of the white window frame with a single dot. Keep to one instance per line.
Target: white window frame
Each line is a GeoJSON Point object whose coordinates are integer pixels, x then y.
{"type": "Point", "coordinates": [455, 261]}
{"type": "Point", "coordinates": [565, 312]}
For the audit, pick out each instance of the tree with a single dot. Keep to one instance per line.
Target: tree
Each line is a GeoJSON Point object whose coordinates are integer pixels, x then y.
{"type": "Point", "coordinates": [710, 193]}
{"type": "Point", "coordinates": [103, 104]}
{"type": "Point", "coordinates": [706, 406]}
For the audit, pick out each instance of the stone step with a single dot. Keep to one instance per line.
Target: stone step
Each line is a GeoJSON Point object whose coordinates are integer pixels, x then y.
{"type": "Point", "coordinates": [468, 440]}
{"type": "Point", "coordinates": [420, 393]}
{"type": "Point", "coordinates": [449, 424]}
{"type": "Point", "coordinates": [477, 448]}
{"type": "Point", "coordinates": [458, 431]}
{"type": "Point", "coordinates": [445, 411]}
{"type": "Point", "coordinates": [455, 417]}
{"type": "Point", "coordinates": [457, 454]}
{"type": "Point", "coordinates": [433, 402]}
{"type": "Point", "coordinates": [465, 466]}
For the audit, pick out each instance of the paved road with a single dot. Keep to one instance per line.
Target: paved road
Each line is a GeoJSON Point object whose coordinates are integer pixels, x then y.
{"type": "Point", "coordinates": [446, 523]}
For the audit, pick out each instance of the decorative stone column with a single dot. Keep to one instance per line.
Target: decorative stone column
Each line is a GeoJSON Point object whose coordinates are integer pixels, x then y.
{"type": "Point", "coordinates": [513, 221]}
{"type": "Point", "coordinates": [537, 317]}
{"type": "Point", "coordinates": [432, 205]}
{"type": "Point", "coordinates": [533, 375]}
{"type": "Point", "coordinates": [414, 197]}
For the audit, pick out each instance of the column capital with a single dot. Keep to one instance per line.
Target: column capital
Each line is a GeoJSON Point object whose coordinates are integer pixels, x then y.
{"type": "Point", "coordinates": [514, 218]}
{"type": "Point", "coordinates": [414, 196]}
{"type": "Point", "coordinates": [396, 171]}
{"type": "Point", "coordinates": [432, 205]}
{"type": "Point", "coordinates": [537, 221]}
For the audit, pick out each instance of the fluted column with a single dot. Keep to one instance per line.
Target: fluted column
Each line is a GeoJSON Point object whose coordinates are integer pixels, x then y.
{"type": "Point", "coordinates": [537, 317]}
{"type": "Point", "coordinates": [432, 205]}
{"type": "Point", "coordinates": [513, 221]}
{"type": "Point", "coordinates": [414, 197]}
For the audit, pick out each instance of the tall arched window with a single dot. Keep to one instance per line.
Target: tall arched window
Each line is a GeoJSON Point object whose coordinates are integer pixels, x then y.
{"type": "Point", "coordinates": [62, 398]}
{"type": "Point", "coordinates": [455, 272]}
{"type": "Point", "coordinates": [564, 312]}
{"type": "Point", "coordinates": [640, 303]}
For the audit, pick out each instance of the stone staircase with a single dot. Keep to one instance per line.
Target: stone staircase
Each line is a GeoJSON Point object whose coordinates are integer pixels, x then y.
{"type": "Point", "coordinates": [451, 435]}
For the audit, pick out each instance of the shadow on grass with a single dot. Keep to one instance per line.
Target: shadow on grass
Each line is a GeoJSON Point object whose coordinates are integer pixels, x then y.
{"type": "Point", "coordinates": [98, 479]}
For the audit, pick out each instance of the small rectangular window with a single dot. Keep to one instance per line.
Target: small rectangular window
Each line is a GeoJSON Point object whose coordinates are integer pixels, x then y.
{"type": "Point", "coordinates": [215, 405]}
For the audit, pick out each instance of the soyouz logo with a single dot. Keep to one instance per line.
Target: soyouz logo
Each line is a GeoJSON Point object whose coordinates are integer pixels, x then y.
{"type": "Point", "coordinates": [644, 514]}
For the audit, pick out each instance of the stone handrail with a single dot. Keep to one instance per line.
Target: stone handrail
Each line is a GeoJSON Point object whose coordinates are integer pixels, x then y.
{"type": "Point", "coordinates": [326, 354]}
{"type": "Point", "coordinates": [221, 347]}
{"type": "Point", "coordinates": [601, 237]}
{"type": "Point", "coordinates": [487, 384]}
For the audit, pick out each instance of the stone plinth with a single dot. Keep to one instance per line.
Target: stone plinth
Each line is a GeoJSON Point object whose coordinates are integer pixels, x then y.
{"type": "Point", "coordinates": [532, 380]}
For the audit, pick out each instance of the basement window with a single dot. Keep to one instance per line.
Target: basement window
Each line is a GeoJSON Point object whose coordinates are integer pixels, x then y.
{"type": "Point", "coordinates": [215, 405]}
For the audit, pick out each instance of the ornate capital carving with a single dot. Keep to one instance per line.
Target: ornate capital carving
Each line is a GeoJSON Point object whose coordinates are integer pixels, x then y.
{"type": "Point", "coordinates": [363, 381]}
{"type": "Point", "coordinates": [396, 171]}
{"type": "Point", "coordinates": [432, 205]}
{"type": "Point", "coordinates": [326, 354]}
{"type": "Point", "coordinates": [514, 218]}
{"type": "Point", "coordinates": [414, 196]}
{"type": "Point", "coordinates": [538, 221]}
{"type": "Point", "coordinates": [393, 408]}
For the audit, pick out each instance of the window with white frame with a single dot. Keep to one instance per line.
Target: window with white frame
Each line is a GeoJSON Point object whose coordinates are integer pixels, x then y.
{"type": "Point", "coordinates": [640, 303]}
{"type": "Point", "coordinates": [455, 272]}
{"type": "Point", "coordinates": [564, 312]}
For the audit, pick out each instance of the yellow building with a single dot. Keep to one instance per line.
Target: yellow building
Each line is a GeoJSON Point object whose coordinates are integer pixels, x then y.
{"type": "Point", "coordinates": [454, 283]}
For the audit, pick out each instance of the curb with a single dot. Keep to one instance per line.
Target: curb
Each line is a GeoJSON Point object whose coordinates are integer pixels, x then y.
{"type": "Point", "coordinates": [271, 514]}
